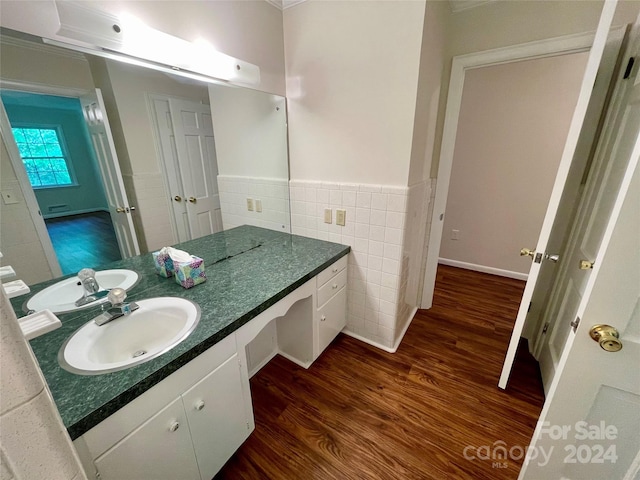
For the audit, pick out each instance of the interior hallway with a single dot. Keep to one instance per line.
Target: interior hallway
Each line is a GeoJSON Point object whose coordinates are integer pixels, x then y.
{"type": "Point", "coordinates": [361, 413]}
{"type": "Point", "coordinates": [82, 241]}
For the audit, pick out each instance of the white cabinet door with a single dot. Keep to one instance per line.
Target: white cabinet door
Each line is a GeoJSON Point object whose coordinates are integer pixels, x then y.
{"type": "Point", "coordinates": [160, 449]}
{"type": "Point", "coordinates": [332, 319]}
{"type": "Point", "coordinates": [216, 415]}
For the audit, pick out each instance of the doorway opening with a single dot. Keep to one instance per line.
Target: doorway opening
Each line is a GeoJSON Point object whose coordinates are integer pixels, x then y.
{"type": "Point", "coordinates": [588, 114]}
{"type": "Point", "coordinates": [51, 135]}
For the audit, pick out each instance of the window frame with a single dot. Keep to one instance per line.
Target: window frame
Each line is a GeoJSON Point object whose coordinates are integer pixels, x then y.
{"type": "Point", "coordinates": [63, 146]}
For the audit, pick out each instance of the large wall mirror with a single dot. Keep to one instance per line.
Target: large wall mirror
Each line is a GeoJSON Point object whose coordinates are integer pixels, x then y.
{"type": "Point", "coordinates": [190, 158]}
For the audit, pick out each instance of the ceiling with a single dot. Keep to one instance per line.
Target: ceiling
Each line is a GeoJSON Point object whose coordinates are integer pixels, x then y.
{"type": "Point", "coordinates": [455, 5]}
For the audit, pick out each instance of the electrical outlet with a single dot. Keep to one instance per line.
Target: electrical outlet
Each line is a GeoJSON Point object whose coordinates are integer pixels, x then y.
{"type": "Point", "coordinates": [250, 204]}
{"type": "Point", "coordinates": [455, 234]}
{"type": "Point", "coordinates": [327, 215]}
{"type": "Point", "coordinates": [341, 217]}
{"type": "Point", "coordinates": [259, 206]}
{"type": "Point", "coordinates": [9, 198]}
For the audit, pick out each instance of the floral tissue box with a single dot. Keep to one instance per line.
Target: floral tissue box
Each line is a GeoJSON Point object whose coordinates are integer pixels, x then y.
{"type": "Point", "coordinates": [163, 264]}
{"type": "Point", "coordinates": [189, 274]}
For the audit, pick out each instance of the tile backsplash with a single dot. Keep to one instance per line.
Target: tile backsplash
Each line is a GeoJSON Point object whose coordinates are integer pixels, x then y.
{"type": "Point", "coordinates": [376, 221]}
{"type": "Point", "coordinates": [272, 192]}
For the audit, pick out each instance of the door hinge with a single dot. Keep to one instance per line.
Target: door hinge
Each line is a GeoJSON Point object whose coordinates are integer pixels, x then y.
{"type": "Point", "coordinates": [627, 71]}
{"type": "Point", "coordinates": [575, 324]}
{"type": "Point", "coordinates": [529, 309]}
{"type": "Point", "coordinates": [546, 327]}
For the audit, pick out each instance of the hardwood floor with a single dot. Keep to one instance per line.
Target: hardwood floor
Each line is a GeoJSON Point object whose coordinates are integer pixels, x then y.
{"type": "Point", "coordinates": [361, 413]}
{"type": "Point", "coordinates": [81, 241]}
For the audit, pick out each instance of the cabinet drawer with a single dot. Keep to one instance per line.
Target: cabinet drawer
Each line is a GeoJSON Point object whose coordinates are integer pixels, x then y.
{"type": "Point", "coordinates": [330, 272]}
{"type": "Point", "coordinates": [332, 318]}
{"type": "Point", "coordinates": [330, 288]}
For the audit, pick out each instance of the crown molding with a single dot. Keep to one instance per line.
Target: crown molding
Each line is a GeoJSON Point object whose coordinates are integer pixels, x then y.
{"type": "Point", "coordinates": [284, 4]}
{"type": "Point", "coordinates": [461, 5]}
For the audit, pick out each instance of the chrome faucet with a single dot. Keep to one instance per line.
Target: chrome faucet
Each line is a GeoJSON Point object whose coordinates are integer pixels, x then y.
{"type": "Point", "coordinates": [92, 291]}
{"type": "Point", "coordinates": [118, 308]}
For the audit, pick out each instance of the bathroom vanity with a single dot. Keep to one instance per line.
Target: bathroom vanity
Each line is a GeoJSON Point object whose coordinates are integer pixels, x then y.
{"type": "Point", "coordinates": [184, 413]}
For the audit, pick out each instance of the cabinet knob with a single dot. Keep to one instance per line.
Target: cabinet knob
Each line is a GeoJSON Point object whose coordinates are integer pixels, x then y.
{"type": "Point", "coordinates": [334, 269]}
{"type": "Point", "coordinates": [174, 426]}
{"type": "Point", "coordinates": [200, 405]}
{"type": "Point", "coordinates": [323, 318]}
{"type": "Point", "coordinates": [334, 286]}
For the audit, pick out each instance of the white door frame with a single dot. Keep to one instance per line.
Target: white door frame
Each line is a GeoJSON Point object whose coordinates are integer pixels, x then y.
{"type": "Point", "coordinates": [527, 51]}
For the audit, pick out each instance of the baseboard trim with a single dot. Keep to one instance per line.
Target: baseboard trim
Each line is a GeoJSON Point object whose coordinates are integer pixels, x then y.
{"type": "Point", "coordinates": [379, 345]}
{"type": "Point", "coordinates": [405, 328]}
{"type": "Point", "coordinates": [481, 268]}
{"type": "Point", "coordinates": [71, 213]}
{"type": "Point", "coordinates": [368, 341]}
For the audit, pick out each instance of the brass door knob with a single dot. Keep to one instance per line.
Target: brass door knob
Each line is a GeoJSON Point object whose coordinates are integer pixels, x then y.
{"type": "Point", "coordinates": [586, 265]}
{"type": "Point", "coordinates": [120, 210]}
{"type": "Point", "coordinates": [192, 199]}
{"type": "Point", "coordinates": [177, 198]}
{"type": "Point", "coordinates": [607, 336]}
{"type": "Point", "coordinates": [527, 252]}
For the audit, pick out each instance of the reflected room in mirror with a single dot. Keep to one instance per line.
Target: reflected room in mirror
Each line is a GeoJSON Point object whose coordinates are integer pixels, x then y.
{"type": "Point", "coordinates": [103, 160]}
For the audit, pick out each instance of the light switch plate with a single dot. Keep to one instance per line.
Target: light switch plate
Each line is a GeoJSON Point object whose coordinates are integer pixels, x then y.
{"type": "Point", "coordinates": [259, 206]}
{"type": "Point", "coordinates": [341, 217]}
{"type": "Point", "coordinates": [327, 215]}
{"type": "Point", "coordinates": [9, 198]}
{"type": "Point", "coordinates": [250, 204]}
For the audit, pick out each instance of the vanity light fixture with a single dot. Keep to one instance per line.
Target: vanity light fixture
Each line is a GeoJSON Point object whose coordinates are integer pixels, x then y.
{"type": "Point", "coordinates": [107, 35]}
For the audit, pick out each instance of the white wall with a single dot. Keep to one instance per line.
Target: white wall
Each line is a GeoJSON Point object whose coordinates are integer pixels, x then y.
{"type": "Point", "coordinates": [250, 132]}
{"type": "Point", "coordinates": [505, 23]}
{"type": "Point", "coordinates": [363, 83]}
{"type": "Point", "coordinates": [512, 129]}
{"type": "Point", "coordinates": [250, 30]}
{"type": "Point", "coordinates": [352, 73]}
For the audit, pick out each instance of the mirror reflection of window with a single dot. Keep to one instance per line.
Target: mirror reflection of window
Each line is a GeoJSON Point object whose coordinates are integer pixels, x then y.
{"type": "Point", "coordinates": [43, 157]}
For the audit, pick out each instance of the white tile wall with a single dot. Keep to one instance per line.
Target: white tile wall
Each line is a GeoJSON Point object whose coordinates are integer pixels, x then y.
{"type": "Point", "coordinates": [413, 254]}
{"type": "Point", "coordinates": [35, 443]}
{"type": "Point", "coordinates": [274, 193]}
{"type": "Point", "coordinates": [375, 226]}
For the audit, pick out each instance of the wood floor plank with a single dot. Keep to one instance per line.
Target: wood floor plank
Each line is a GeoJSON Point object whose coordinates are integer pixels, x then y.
{"type": "Point", "coordinates": [361, 413]}
{"type": "Point", "coordinates": [81, 241]}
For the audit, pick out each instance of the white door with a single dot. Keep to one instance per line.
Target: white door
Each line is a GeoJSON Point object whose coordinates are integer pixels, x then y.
{"type": "Point", "coordinates": [193, 129]}
{"type": "Point", "coordinates": [98, 124]}
{"type": "Point", "coordinates": [610, 162]}
{"type": "Point", "coordinates": [169, 155]}
{"type": "Point", "coordinates": [590, 423]}
{"type": "Point", "coordinates": [593, 64]}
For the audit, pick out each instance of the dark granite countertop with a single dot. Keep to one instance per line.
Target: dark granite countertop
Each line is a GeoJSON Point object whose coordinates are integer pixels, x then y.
{"type": "Point", "coordinates": [248, 270]}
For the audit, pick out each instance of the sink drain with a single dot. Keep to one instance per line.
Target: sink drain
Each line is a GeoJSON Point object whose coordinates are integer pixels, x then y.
{"type": "Point", "coordinates": [139, 353]}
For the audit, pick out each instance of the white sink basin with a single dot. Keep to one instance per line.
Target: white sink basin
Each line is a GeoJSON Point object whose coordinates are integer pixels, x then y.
{"type": "Point", "coordinates": [156, 327]}
{"type": "Point", "coordinates": [61, 297]}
